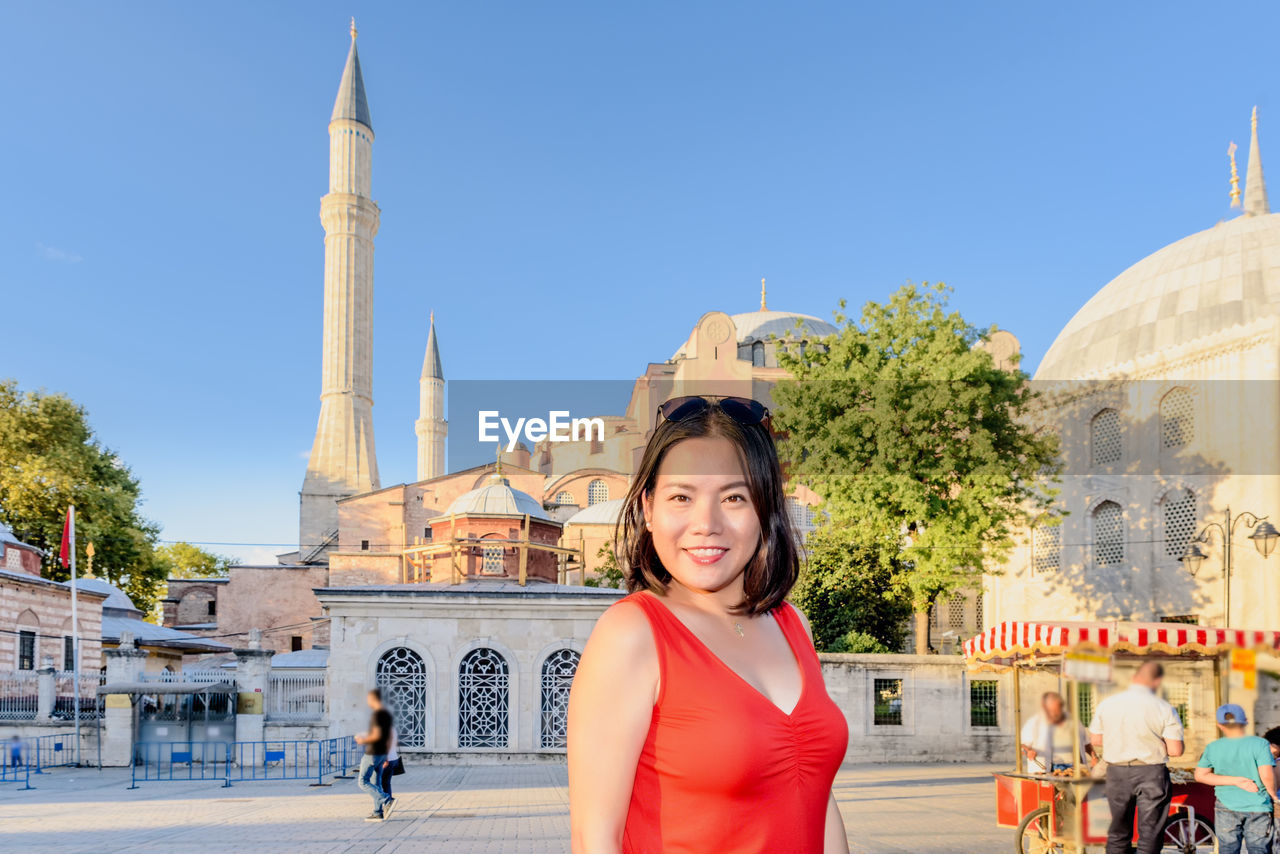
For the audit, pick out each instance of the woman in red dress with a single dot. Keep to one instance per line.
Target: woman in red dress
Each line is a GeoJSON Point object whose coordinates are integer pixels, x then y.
{"type": "Point", "coordinates": [698, 718]}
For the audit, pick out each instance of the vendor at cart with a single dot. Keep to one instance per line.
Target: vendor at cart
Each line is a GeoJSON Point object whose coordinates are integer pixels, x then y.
{"type": "Point", "coordinates": [1047, 739]}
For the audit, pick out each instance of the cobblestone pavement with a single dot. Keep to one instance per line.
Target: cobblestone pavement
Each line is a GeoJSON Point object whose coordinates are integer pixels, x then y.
{"type": "Point", "coordinates": [476, 809]}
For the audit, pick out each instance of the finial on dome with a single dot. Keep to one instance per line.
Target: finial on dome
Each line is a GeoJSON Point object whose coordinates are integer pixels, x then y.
{"type": "Point", "coordinates": [1255, 186]}
{"type": "Point", "coordinates": [353, 28]}
{"type": "Point", "coordinates": [1235, 176]}
{"type": "Point", "coordinates": [763, 307]}
{"type": "Point", "coordinates": [497, 453]}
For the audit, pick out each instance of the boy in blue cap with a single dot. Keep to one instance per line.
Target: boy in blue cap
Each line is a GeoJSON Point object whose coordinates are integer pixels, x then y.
{"type": "Point", "coordinates": [1241, 770]}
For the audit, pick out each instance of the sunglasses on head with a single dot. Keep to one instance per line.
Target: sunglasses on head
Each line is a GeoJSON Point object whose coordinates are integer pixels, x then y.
{"type": "Point", "coordinates": [744, 410]}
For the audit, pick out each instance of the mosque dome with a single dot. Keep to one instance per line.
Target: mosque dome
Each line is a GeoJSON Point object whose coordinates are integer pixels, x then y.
{"type": "Point", "coordinates": [497, 498]}
{"type": "Point", "coordinates": [1223, 277]}
{"type": "Point", "coordinates": [755, 326]}
{"type": "Point", "coordinates": [604, 513]}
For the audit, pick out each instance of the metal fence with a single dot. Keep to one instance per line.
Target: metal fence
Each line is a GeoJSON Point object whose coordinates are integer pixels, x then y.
{"type": "Point", "coordinates": [51, 751]}
{"type": "Point", "coordinates": [19, 696]}
{"type": "Point", "coordinates": [65, 695]}
{"type": "Point", "coordinates": [245, 761]}
{"type": "Point", "coordinates": [295, 697]}
{"type": "Point", "coordinates": [15, 773]}
{"type": "Point", "coordinates": [188, 675]}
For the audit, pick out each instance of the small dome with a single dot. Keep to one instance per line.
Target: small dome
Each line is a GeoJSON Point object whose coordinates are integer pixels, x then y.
{"type": "Point", "coordinates": [496, 498]}
{"type": "Point", "coordinates": [759, 325]}
{"type": "Point", "coordinates": [116, 598]}
{"type": "Point", "coordinates": [604, 513]}
{"type": "Point", "coordinates": [1222, 277]}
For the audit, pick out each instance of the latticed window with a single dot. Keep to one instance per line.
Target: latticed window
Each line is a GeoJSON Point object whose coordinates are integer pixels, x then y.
{"type": "Point", "coordinates": [597, 491]}
{"type": "Point", "coordinates": [557, 678]}
{"type": "Point", "coordinates": [955, 612]}
{"type": "Point", "coordinates": [1178, 694]}
{"type": "Point", "coordinates": [1084, 702]}
{"type": "Point", "coordinates": [1177, 420]}
{"type": "Point", "coordinates": [1104, 437]}
{"type": "Point", "coordinates": [977, 610]}
{"type": "Point", "coordinates": [984, 702]}
{"type": "Point", "coordinates": [564, 498]}
{"type": "Point", "coordinates": [887, 701]}
{"type": "Point", "coordinates": [483, 689]}
{"type": "Point", "coordinates": [1179, 522]}
{"type": "Point", "coordinates": [492, 563]}
{"type": "Point", "coordinates": [1046, 547]}
{"type": "Point", "coordinates": [402, 676]}
{"type": "Point", "coordinates": [1108, 534]}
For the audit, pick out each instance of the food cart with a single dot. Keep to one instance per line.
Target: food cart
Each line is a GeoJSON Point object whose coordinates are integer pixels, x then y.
{"type": "Point", "coordinates": [1067, 812]}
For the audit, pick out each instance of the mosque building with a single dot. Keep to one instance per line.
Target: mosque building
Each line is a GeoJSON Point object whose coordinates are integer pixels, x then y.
{"type": "Point", "coordinates": [1163, 391]}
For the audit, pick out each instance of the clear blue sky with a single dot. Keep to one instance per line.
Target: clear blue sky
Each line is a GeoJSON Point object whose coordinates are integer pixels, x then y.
{"type": "Point", "coordinates": [570, 186]}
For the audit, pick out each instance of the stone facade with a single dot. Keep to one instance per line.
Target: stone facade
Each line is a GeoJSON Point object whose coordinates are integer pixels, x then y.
{"type": "Point", "coordinates": [278, 600]}
{"type": "Point", "coordinates": [35, 607]}
{"type": "Point", "coordinates": [428, 632]}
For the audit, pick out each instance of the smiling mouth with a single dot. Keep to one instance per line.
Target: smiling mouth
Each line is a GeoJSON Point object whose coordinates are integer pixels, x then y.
{"type": "Point", "coordinates": [706, 555]}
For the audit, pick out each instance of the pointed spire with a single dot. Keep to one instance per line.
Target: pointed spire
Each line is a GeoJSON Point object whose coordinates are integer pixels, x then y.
{"type": "Point", "coordinates": [351, 102]}
{"type": "Point", "coordinates": [1235, 176]}
{"type": "Point", "coordinates": [431, 367]}
{"type": "Point", "coordinates": [763, 306]}
{"type": "Point", "coordinates": [1255, 186]}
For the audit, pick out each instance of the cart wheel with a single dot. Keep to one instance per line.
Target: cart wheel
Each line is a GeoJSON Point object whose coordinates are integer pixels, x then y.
{"type": "Point", "coordinates": [1035, 835]}
{"type": "Point", "coordinates": [1187, 836]}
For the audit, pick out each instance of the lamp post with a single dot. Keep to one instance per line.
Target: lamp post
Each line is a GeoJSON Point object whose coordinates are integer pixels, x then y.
{"type": "Point", "coordinates": [1264, 538]}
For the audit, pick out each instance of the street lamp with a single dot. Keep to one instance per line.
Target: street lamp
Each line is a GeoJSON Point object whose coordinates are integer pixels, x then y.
{"type": "Point", "coordinates": [1264, 538]}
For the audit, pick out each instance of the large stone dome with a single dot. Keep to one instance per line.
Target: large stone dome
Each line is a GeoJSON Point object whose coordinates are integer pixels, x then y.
{"type": "Point", "coordinates": [1209, 282]}
{"type": "Point", "coordinates": [755, 326]}
{"type": "Point", "coordinates": [496, 498]}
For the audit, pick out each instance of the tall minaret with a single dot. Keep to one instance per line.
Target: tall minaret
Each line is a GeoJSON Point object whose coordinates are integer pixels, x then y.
{"type": "Point", "coordinates": [342, 461]}
{"type": "Point", "coordinates": [431, 426]}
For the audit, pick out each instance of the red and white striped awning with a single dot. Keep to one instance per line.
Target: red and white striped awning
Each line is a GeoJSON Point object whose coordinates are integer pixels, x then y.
{"type": "Point", "coordinates": [1005, 643]}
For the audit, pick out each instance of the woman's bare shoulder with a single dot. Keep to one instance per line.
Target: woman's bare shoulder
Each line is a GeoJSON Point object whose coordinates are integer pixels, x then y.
{"type": "Point", "coordinates": [624, 629]}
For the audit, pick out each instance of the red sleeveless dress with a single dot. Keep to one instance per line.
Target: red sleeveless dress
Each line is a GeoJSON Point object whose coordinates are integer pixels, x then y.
{"type": "Point", "coordinates": [723, 770]}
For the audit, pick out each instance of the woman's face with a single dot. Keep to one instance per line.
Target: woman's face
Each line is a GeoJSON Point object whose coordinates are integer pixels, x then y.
{"type": "Point", "coordinates": [700, 514]}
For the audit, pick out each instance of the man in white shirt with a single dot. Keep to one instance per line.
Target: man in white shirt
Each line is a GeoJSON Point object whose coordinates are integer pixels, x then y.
{"type": "Point", "coordinates": [1047, 738]}
{"type": "Point", "coordinates": [1137, 733]}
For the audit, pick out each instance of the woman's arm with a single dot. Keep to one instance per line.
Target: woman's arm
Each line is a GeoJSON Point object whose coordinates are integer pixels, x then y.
{"type": "Point", "coordinates": [834, 839]}
{"type": "Point", "coordinates": [610, 707]}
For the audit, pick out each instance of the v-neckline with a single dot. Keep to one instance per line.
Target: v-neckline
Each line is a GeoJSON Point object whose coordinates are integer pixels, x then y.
{"type": "Point", "coordinates": [786, 636]}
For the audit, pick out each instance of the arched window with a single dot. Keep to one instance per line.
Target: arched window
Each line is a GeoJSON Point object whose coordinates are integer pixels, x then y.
{"type": "Point", "coordinates": [1104, 437]}
{"type": "Point", "coordinates": [1046, 547]}
{"type": "Point", "coordinates": [557, 677]}
{"type": "Point", "coordinates": [1108, 534]}
{"type": "Point", "coordinates": [492, 563]}
{"type": "Point", "coordinates": [1179, 521]}
{"type": "Point", "coordinates": [402, 676]}
{"type": "Point", "coordinates": [482, 699]}
{"type": "Point", "coordinates": [597, 491]}
{"type": "Point", "coordinates": [565, 498]}
{"type": "Point", "coordinates": [1177, 420]}
{"type": "Point", "coordinates": [757, 354]}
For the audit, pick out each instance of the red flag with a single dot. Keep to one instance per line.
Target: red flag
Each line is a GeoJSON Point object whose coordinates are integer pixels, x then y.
{"type": "Point", "coordinates": [66, 541]}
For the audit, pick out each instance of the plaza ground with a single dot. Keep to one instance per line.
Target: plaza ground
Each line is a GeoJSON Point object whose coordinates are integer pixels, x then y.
{"type": "Point", "coordinates": [474, 809]}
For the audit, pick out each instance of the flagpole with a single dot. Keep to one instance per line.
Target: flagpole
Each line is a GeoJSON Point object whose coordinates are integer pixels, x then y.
{"type": "Point", "coordinates": [75, 634]}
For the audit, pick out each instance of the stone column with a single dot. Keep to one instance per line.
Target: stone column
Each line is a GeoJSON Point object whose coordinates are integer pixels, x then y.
{"type": "Point", "coordinates": [253, 665]}
{"type": "Point", "coordinates": [124, 664]}
{"type": "Point", "coordinates": [46, 690]}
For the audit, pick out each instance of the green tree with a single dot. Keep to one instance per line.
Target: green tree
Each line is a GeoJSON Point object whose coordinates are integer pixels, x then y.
{"type": "Point", "coordinates": [49, 459]}
{"type": "Point", "coordinates": [846, 589]}
{"type": "Point", "coordinates": [183, 560]}
{"type": "Point", "coordinates": [608, 574]}
{"type": "Point", "coordinates": [917, 441]}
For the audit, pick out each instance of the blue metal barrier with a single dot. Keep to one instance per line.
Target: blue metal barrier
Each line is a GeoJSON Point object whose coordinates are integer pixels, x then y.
{"type": "Point", "coordinates": [245, 761]}
{"type": "Point", "coordinates": [51, 751]}
{"type": "Point", "coordinates": [275, 760]}
{"type": "Point", "coordinates": [15, 773]}
{"type": "Point", "coordinates": [180, 760]}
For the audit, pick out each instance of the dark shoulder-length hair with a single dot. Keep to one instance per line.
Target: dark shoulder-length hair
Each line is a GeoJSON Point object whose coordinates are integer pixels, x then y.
{"type": "Point", "coordinates": [772, 571]}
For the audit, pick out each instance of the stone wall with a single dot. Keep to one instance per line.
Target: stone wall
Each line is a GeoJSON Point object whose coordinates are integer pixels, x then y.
{"type": "Point", "coordinates": [279, 600]}
{"type": "Point", "coordinates": [43, 607]}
